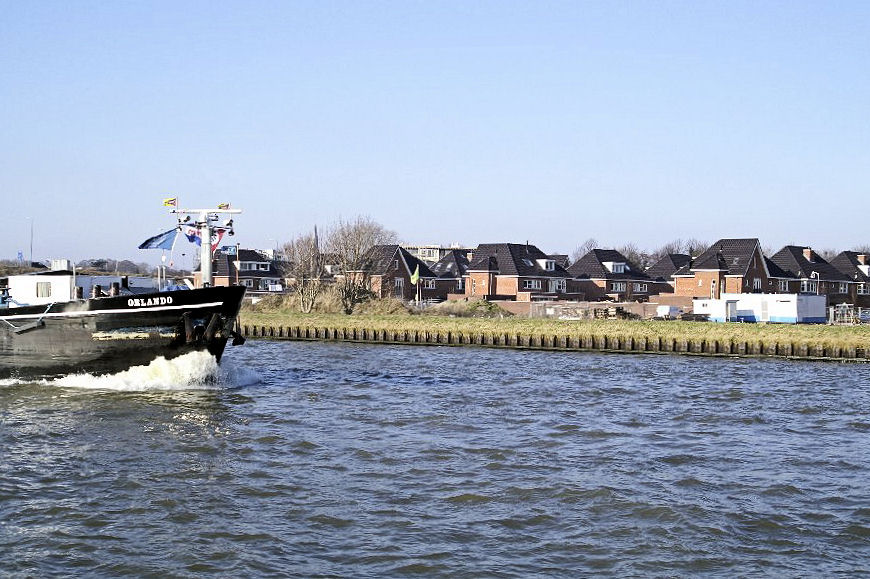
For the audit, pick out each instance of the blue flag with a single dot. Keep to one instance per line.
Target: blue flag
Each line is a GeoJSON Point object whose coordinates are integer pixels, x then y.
{"type": "Point", "coordinates": [164, 240]}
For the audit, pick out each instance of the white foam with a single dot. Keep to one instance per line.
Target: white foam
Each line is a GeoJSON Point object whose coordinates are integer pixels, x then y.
{"type": "Point", "coordinates": [194, 371]}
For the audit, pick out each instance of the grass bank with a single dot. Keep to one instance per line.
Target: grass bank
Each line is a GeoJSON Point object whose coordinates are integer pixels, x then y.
{"type": "Point", "coordinates": [816, 335]}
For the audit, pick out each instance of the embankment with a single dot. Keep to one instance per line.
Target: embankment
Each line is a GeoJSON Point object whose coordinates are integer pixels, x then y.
{"type": "Point", "coordinates": [700, 339]}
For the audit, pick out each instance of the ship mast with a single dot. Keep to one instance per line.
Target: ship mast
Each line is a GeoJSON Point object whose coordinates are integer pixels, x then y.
{"type": "Point", "coordinates": [206, 220]}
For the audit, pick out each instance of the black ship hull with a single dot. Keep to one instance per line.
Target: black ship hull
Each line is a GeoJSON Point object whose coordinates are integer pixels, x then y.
{"type": "Point", "coordinates": [107, 335]}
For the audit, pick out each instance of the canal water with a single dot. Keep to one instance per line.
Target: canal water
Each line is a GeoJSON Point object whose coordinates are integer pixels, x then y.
{"type": "Point", "coordinates": [341, 460]}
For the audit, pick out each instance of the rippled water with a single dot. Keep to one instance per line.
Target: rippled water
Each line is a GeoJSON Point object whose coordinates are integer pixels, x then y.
{"type": "Point", "coordinates": [311, 459]}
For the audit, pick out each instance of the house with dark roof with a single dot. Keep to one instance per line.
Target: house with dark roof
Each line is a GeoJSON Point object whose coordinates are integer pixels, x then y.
{"type": "Point", "coordinates": [606, 274]}
{"type": "Point", "coordinates": [432, 254]}
{"type": "Point", "coordinates": [856, 266]}
{"type": "Point", "coordinates": [516, 271]}
{"type": "Point", "coordinates": [450, 272]}
{"type": "Point", "coordinates": [255, 269]}
{"type": "Point", "coordinates": [389, 269]}
{"type": "Point", "coordinates": [728, 266]}
{"type": "Point", "coordinates": [664, 269]}
{"type": "Point", "coordinates": [808, 273]}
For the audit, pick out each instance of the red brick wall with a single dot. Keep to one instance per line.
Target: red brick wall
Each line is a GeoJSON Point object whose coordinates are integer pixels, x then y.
{"type": "Point", "coordinates": [688, 286]}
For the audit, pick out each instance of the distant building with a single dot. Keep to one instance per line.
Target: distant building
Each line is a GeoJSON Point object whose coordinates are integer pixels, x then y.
{"type": "Point", "coordinates": [516, 271]}
{"type": "Point", "coordinates": [255, 269]}
{"type": "Point", "coordinates": [806, 272]}
{"type": "Point", "coordinates": [728, 266]}
{"type": "Point", "coordinates": [451, 271]}
{"type": "Point", "coordinates": [432, 254]}
{"type": "Point", "coordinates": [608, 274]}
{"type": "Point", "coordinates": [389, 269]}
{"type": "Point", "coordinates": [856, 266]}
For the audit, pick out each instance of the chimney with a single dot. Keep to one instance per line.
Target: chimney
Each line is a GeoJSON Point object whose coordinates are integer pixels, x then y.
{"type": "Point", "coordinates": [862, 258]}
{"type": "Point", "coordinates": [808, 253]}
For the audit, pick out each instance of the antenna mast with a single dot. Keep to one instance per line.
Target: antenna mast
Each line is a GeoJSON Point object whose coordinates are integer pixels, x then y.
{"type": "Point", "coordinates": [206, 221]}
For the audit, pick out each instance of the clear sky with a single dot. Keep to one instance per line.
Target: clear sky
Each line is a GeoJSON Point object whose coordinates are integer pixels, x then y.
{"type": "Point", "coordinates": [463, 121]}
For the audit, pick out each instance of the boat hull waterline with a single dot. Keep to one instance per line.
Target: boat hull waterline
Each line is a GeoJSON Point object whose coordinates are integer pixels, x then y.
{"type": "Point", "coordinates": [112, 334]}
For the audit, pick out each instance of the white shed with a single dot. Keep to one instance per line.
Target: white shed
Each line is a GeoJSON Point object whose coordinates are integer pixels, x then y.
{"type": "Point", "coordinates": [776, 308]}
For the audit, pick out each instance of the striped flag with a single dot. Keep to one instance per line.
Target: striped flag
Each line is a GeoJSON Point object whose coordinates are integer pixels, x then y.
{"type": "Point", "coordinates": [170, 202]}
{"type": "Point", "coordinates": [223, 205]}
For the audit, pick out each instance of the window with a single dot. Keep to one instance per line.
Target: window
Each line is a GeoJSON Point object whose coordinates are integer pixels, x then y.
{"type": "Point", "coordinates": [639, 288]}
{"type": "Point", "coordinates": [460, 284]}
{"type": "Point", "coordinates": [263, 266]}
{"type": "Point", "coordinates": [532, 284]}
{"type": "Point", "coordinates": [557, 285]}
{"type": "Point", "coordinates": [399, 282]}
{"type": "Point", "coordinates": [809, 286]}
{"type": "Point", "coordinates": [756, 283]}
{"type": "Point", "coordinates": [247, 282]}
{"type": "Point", "coordinates": [844, 288]}
{"type": "Point", "coordinates": [428, 284]}
{"type": "Point", "coordinates": [43, 289]}
{"type": "Point", "coordinates": [617, 286]}
{"type": "Point", "coordinates": [783, 285]}
{"type": "Point", "coordinates": [700, 283]}
{"type": "Point", "coordinates": [862, 289]}
{"type": "Point", "coordinates": [473, 286]}
{"type": "Point", "coordinates": [396, 264]}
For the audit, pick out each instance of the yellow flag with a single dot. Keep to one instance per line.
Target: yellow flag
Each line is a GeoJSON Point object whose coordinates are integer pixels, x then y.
{"type": "Point", "coordinates": [223, 205]}
{"type": "Point", "coordinates": [415, 277]}
{"type": "Point", "coordinates": [170, 202]}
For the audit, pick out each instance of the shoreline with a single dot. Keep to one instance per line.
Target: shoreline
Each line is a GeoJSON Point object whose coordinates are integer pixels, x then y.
{"type": "Point", "coordinates": [582, 337]}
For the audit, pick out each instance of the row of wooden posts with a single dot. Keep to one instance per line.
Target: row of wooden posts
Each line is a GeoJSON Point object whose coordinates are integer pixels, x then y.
{"type": "Point", "coordinates": [601, 343]}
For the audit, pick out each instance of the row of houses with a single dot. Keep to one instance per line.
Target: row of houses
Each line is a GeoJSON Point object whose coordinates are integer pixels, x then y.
{"type": "Point", "coordinates": [522, 272]}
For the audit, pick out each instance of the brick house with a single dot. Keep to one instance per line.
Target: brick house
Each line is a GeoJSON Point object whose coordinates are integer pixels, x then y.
{"type": "Point", "coordinates": [389, 269]}
{"type": "Point", "coordinates": [728, 266]}
{"type": "Point", "coordinates": [255, 269]}
{"type": "Point", "coordinates": [808, 273]}
{"type": "Point", "coordinates": [856, 266]}
{"type": "Point", "coordinates": [450, 272]}
{"type": "Point", "coordinates": [606, 274]}
{"type": "Point", "coordinates": [516, 271]}
{"type": "Point", "coordinates": [664, 269]}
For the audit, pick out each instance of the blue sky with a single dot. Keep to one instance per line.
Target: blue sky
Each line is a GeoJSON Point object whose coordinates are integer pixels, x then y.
{"type": "Point", "coordinates": [465, 122]}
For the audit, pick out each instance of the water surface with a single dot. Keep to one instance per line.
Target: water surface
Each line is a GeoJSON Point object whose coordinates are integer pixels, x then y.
{"type": "Point", "coordinates": [321, 460]}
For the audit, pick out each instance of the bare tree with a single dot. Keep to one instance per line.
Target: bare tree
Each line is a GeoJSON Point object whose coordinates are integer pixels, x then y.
{"type": "Point", "coordinates": [695, 247]}
{"type": "Point", "coordinates": [349, 244]}
{"type": "Point", "coordinates": [303, 261]}
{"type": "Point", "coordinates": [827, 253]}
{"type": "Point", "coordinates": [863, 248]}
{"type": "Point", "coordinates": [675, 246]}
{"type": "Point", "coordinates": [583, 249]}
{"type": "Point", "coordinates": [635, 255]}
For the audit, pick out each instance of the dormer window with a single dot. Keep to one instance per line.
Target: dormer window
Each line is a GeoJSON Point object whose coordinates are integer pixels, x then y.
{"type": "Point", "coordinates": [615, 266]}
{"type": "Point", "coordinates": [547, 264]}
